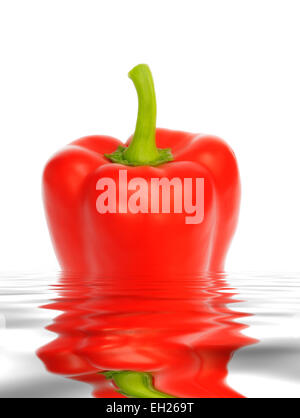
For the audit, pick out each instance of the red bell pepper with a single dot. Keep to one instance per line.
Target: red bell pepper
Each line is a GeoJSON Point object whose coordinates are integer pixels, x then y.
{"type": "Point", "coordinates": [144, 238]}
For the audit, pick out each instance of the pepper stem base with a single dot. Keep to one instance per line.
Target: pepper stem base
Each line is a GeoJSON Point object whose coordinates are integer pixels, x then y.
{"type": "Point", "coordinates": [118, 156]}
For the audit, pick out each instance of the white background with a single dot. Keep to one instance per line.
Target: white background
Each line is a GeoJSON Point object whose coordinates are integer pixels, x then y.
{"type": "Point", "coordinates": [230, 68]}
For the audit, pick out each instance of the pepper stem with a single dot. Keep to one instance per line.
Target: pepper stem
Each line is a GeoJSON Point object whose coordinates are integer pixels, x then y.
{"type": "Point", "coordinates": [142, 149]}
{"type": "Point", "coordinates": [135, 384]}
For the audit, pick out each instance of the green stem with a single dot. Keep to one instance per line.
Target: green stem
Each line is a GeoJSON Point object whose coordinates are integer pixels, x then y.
{"type": "Point", "coordinates": [135, 384]}
{"type": "Point", "coordinates": [142, 149]}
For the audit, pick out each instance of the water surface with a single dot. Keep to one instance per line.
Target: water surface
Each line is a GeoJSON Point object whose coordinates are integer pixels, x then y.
{"type": "Point", "coordinates": [233, 335]}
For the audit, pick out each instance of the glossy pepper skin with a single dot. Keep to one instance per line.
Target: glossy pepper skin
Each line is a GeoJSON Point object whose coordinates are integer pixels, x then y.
{"type": "Point", "coordinates": [126, 244]}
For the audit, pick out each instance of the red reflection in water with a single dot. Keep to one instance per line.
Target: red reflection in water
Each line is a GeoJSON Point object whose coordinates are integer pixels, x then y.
{"type": "Point", "coordinates": [183, 333]}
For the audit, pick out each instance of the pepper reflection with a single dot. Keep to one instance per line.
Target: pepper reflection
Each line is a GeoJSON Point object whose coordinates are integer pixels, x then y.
{"type": "Point", "coordinates": [145, 338]}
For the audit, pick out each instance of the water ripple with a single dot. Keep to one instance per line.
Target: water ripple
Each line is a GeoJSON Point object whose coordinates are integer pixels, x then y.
{"type": "Point", "coordinates": [220, 335]}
